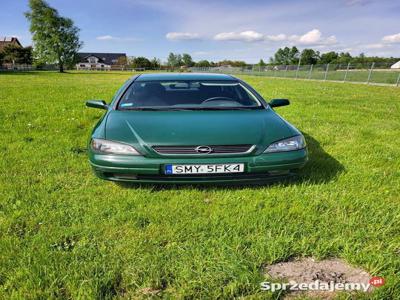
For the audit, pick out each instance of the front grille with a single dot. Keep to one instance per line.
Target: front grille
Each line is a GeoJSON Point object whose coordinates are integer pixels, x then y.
{"type": "Point", "coordinates": [214, 149]}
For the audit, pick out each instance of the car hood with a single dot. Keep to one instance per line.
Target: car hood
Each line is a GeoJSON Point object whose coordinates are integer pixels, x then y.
{"type": "Point", "coordinates": [149, 128]}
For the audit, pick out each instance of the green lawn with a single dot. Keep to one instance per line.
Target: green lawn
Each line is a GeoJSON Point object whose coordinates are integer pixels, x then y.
{"type": "Point", "coordinates": [66, 234]}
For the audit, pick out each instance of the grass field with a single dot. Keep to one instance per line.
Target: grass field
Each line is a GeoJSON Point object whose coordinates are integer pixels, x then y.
{"type": "Point", "coordinates": [66, 234]}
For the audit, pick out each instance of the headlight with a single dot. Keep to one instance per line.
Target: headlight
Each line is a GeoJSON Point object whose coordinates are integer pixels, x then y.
{"type": "Point", "coordinates": [110, 147]}
{"type": "Point", "coordinates": [294, 143]}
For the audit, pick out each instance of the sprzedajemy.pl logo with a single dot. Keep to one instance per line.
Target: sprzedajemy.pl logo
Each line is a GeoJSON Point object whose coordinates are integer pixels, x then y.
{"type": "Point", "coordinates": [322, 286]}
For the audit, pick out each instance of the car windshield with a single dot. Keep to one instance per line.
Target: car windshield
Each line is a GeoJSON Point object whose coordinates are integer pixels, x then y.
{"type": "Point", "coordinates": [188, 95]}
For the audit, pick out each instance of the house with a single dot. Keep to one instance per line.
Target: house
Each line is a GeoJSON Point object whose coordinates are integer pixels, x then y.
{"type": "Point", "coordinates": [5, 41]}
{"type": "Point", "coordinates": [100, 61]}
{"type": "Point", "coordinates": [396, 65]}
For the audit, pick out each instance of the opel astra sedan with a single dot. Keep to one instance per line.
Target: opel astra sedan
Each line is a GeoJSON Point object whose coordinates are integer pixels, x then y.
{"type": "Point", "coordinates": [193, 128]}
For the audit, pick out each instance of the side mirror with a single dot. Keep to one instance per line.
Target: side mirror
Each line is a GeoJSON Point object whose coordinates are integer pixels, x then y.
{"type": "Point", "coordinates": [279, 102]}
{"type": "Point", "coordinates": [97, 104]}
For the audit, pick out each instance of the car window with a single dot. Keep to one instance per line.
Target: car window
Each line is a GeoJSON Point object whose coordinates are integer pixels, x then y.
{"type": "Point", "coordinates": [188, 95]}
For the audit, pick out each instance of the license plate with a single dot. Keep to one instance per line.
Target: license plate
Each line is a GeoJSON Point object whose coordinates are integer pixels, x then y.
{"type": "Point", "coordinates": [204, 169]}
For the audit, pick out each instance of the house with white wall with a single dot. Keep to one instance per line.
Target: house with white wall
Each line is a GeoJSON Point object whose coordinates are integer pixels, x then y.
{"type": "Point", "coordinates": [100, 61]}
{"type": "Point", "coordinates": [396, 65]}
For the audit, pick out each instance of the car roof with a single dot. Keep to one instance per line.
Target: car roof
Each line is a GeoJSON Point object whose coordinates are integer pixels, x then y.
{"type": "Point", "coordinates": [183, 76]}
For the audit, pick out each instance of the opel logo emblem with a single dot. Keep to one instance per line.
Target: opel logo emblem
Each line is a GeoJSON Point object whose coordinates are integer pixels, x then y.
{"type": "Point", "coordinates": [203, 149]}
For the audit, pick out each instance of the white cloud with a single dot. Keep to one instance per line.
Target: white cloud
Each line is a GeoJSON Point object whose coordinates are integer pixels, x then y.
{"type": "Point", "coordinates": [395, 38]}
{"type": "Point", "coordinates": [357, 2]}
{"type": "Point", "coordinates": [176, 36]}
{"type": "Point", "coordinates": [313, 37]}
{"type": "Point", "coordinates": [105, 38]}
{"type": "Point", "coordinates": [330, 40]}
{"type": "Point", "coordinates": [200, 53]}
{"type": "Point", "coordinates": [246, 36]}
{"type": "Point", "coordinates": [375, 46]}
{"type": "Point", "coordinates": [115, 38]}
{"type": "Point", "coordinates": [277, 38]}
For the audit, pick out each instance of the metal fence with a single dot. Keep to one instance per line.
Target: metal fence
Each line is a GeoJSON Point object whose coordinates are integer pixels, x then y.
{"type": "Point", "coordinates": [356, 73]}
{"type": "Point", "coordinates": [24, 67]}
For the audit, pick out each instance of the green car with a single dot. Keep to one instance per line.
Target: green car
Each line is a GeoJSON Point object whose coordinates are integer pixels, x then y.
{"type": "Point", "coordinates": [193, 128]}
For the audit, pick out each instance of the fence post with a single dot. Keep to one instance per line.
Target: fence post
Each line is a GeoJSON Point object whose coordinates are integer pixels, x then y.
{"type": "Point", "coordinates": [398, 80]}
{"type": "Point", "coordinates": [310, 72]}
{"type": "Point", "coordinates": [370, 72]}
{"type": "Point", "coordinates": [326, 72]}
{"type": "Point", "coordinates": [286, 71]}
{"type": "Point", "coordinates": [297, 71]}
{"type": "Point", "coordinates": [347, 71]}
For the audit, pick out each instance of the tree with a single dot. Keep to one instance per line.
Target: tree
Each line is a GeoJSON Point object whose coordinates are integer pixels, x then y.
{"type": "Point", "coordinates": [203, 64]}
{"type": "Point", "coordinates": [261, 63]}
{"type": "Point", "coordinates": [187, 60]}
{"type": "Point", "coordinates": [329, 57]}
{"type": "Point", "coordinates": [294, 55]}
{"type": "Point", "coordinates": [361, 59]}
{"type": "Point", "coordinates": [55, 38]}
{"type": "Point", "coordinates": [140, 62]}
{"type": "Point", "coordinates": [122, 61]}
{"type": "Point", "coordinates": [233, 63]}
{"type": "Point", "coordinates": [17, 55]}
{"type": "Point", "coordinates": [179, 60]}
{"type": "Point", "coordinates": [155, 63]}
{"type": "Point", "coordinates": [309, 57]}
{"type": "Point", "coordinates": [172, 60]}
{"type": "Point", "coordinates": [10, 54]}
{"type": "Point", "coordinates": [286, 56]}
{"type": "Point", "coordinates": [344, 58]}
{"type": "Point", "coordinates": [25, 55]}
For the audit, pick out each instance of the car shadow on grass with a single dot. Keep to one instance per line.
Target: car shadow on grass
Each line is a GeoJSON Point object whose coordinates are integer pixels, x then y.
{"type": "Point", "coordinates": [320, 169]}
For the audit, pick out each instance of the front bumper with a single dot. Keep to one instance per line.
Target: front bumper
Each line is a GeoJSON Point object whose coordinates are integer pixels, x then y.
{"type": "Point", "coordinates": [141, 169]}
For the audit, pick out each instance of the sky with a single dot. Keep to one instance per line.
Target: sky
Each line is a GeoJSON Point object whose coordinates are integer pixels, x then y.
{"type": "Point", "coordinates": [222, 29]}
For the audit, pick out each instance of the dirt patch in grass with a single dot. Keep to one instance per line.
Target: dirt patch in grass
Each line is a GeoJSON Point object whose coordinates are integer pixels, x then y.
{"type": "Point", "coordinates": [308, 270]}
{"type": "Point", "coordinates": [150, 291]}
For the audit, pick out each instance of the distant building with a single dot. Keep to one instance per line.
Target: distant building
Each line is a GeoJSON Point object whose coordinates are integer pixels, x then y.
{"type": "Point", "coordinates": [5, 41]}
{"type": "Point", "coordinates": [100, 61]}
{"type": "Point", "coordinates": [396, 65]}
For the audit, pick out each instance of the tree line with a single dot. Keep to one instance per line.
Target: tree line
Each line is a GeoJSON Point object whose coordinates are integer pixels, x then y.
{"type": "Point", "coordinates": [177, 60]}
{"type": "Point", "coordinates": [292, 56]}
